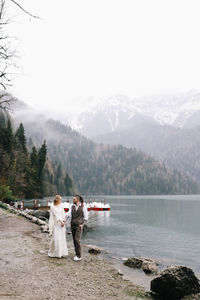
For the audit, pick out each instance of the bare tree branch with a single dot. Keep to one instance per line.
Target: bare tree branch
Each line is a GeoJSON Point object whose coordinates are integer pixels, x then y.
{"type": "Point", "coordinates": [7, 54]}
{"type": "Point", "coordinates": [5, 101]}
{"type": "Point", "coordinates": [2, 8]}
{"type": "Point", "coordinates": [28, 13]}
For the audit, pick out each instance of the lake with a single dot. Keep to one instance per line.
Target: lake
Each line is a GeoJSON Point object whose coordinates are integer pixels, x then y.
{"type": "Point", "coordinates": [166, 228]}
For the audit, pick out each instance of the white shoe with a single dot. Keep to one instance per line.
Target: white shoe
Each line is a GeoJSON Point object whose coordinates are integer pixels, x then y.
{"type": "Point", "coordinates": [77, 258]}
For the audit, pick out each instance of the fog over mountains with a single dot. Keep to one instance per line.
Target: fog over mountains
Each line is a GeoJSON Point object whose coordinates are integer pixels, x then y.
{"type": "Point", "coordinates": [166, 127]}
{"type": "Point", "coordinates": [97, 168]}
{"type": "Point", "coordinates": [101, 116]}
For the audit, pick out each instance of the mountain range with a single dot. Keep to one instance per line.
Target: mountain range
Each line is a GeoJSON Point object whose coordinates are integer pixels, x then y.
{"type": "Point", "coordinates": [105, 115]}
{"type": "Point", "coordinates": [98, 168]}
{"type": "Point", "coordinates": [167, 127]}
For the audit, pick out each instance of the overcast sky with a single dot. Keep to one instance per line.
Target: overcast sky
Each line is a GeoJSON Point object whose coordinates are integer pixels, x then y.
{"type": "Point", "coordinates": [84, 48]}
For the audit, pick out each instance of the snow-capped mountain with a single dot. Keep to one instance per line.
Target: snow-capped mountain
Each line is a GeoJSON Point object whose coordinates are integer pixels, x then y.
{"type": "Point", "coordinates": [103, 115]}
{"type": "Point", "coordinates": [172, 110]}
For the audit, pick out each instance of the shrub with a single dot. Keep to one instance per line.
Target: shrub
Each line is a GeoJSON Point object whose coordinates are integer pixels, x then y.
{"type": "Point", "coordinates": [6, 194]}
{"type": "Point", "coordinates": [3, 206]}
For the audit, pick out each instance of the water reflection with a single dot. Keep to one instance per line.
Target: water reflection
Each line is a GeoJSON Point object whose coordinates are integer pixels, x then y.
{"type": "Point", "coordinates": [98, 218]}
{"type": "Point", "coordinates": [161, 227]}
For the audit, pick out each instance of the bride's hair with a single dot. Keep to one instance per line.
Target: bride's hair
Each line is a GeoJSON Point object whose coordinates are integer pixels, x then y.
{"type": "Point", "coordinates": [56, 199]}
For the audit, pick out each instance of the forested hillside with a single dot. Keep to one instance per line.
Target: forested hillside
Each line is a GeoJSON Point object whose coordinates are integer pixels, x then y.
{"type": "Point", "coordinates": [177, 147]}
{"type": "Point", "coordinates": [104, 169]}
{"type": "Point", "coordinates": [25, 171]}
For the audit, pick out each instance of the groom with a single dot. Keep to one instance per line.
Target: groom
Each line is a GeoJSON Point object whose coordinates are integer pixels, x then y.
{"type": "Point", "coordinates": [79, 215]}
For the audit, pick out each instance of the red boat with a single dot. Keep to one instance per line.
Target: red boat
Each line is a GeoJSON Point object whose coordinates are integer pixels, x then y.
{"type": "Point", "coordinates": [98, 206]}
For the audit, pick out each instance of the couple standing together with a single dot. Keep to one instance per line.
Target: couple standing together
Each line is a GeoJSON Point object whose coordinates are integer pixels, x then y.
{"type": "Point", "coordinates": [57, 221]}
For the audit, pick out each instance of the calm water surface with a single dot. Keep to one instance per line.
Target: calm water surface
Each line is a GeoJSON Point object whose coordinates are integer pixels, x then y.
{"type": "Point", "coordinates": [162, 227]}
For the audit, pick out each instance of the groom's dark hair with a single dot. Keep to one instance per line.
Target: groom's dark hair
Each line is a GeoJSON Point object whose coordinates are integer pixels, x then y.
{"type": "Point", "coordinates": [80, 198]}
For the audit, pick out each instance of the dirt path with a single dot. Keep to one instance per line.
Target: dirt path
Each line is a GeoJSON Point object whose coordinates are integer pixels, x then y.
{"type": "Point", "coordinates": [26, 272]}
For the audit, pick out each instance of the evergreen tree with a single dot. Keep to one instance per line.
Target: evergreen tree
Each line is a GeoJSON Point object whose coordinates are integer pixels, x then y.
{"type": "Point", "coordinates": [41, 163]}
{"type": "Point", "coordinates": [30, 143]}
{"type": "Point", "coordinates": [10, 137]}
{"type": "Point", "coordinates": [24, 172]}
{"type": "Point", "coordinates": [32, 175]}
{"type": "Point", "coordinates": [58, 174]}
{"type": "Point", "coordinates": [34, 158]}
{"type": "Point", "coordinates": [68, 185]}
{"type": "Point", "coordinates": [20, 138]}
{"type": "Point", "coordinates": [6, 136]}
{"type": "Point", "coordinates": [6, 148]}
{"type": "Point", "coordinates": [2, 120]}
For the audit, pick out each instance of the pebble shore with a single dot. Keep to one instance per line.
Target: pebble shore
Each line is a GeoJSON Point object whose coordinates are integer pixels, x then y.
{"type": "Point", "coordinates": [27, 272]}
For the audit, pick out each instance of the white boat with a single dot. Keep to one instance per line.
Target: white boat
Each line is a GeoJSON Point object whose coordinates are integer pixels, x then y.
{"type": "Point", "coordinates": [98, 206]}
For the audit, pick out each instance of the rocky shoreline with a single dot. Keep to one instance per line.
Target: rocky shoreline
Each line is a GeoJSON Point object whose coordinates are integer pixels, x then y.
{"type": "Point", "coordinates": [28, 273]}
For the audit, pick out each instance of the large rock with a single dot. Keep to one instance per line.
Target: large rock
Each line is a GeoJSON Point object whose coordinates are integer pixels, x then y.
{"type": "Point", "coordinates": [42, 214]}
{"type": "Point", "coordinates": [94, 249]}
{"type": "Point", "coordinates": [45, 228]}
{"type": "Point", "coordinates": [40, 222]}
{"type": "Point", "coordinates": [146, 264]}
{"type": "Point", "coordinates": [133, 262]}
{"type": "Point", "coordinates": [175, 282]}
{"type": "Point", "coordinates": [149, 267]}
{"type": "Point", "coordinates": [192, 297]}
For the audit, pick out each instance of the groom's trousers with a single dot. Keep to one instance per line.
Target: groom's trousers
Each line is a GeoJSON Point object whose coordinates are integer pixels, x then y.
{"type": "Point", "coordinates": [76, 235]}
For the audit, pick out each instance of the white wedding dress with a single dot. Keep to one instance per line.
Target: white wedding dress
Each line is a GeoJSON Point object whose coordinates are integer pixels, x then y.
{"type": "Point", "coordinates": [58, 244]}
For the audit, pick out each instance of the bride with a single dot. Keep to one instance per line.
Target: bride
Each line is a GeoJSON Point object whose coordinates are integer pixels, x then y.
{"type": "Point", "coordinates": [57, 221]}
